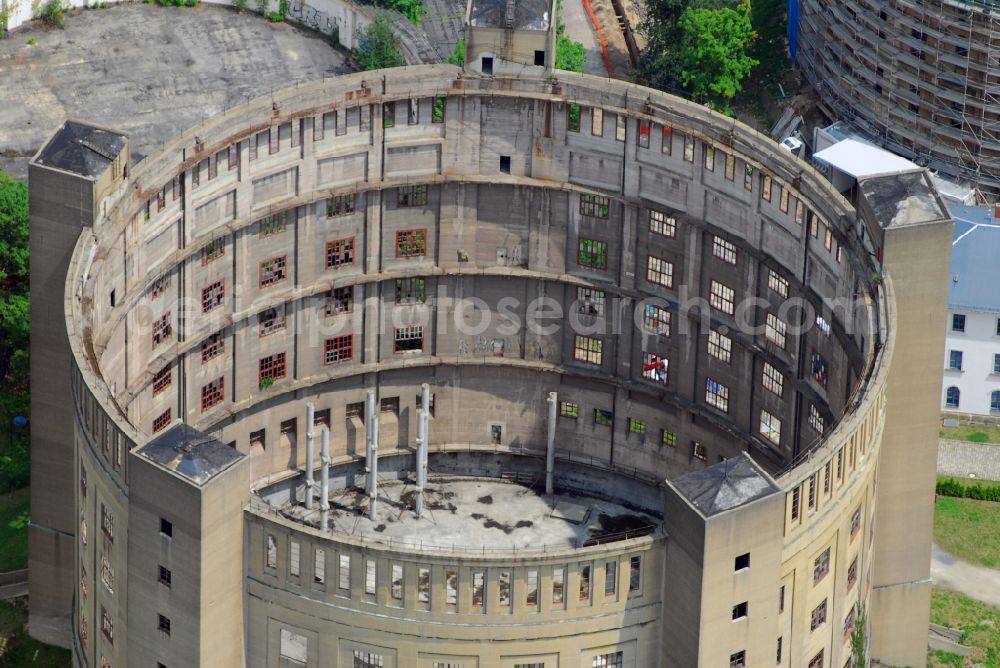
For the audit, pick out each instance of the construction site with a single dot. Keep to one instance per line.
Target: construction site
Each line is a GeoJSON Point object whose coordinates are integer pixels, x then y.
{"type": "Point", "coordinates": [921, 79]}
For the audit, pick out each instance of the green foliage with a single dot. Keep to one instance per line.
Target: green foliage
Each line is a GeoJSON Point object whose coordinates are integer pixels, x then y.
{"type": "Point", "coordinates": [570, 55]}
{"type": "Point", "coordinates": [240, 6]}
{"type": "Point", "coordinates": [54, 13]}
{"type": "Point", "coordinates": [262, 7]}
{"type": "Point", "coordinates": [14, 331]}
{"type": "Point", "coordinates": [457, 56]}
{"type": "Point", "coordinates": [335, 35]}
{"type": "Point", "coordinates": [4, 18]}
{"type": "Point", "coordinates": [413, 10]}
{"type": "Point", "coordinates": [275, 17]}
{"type": "Point", "coordinates": [979, 437]}
{"type": "Point", "coordinates": [977, 490]}
{"type": "Point", "coordinates": [18, 650]}
{"type": "Point", "coordinates": [969, 529]}
{"type": "Point", "coordinates": [713, 54]}
{"type": "Point", "coordinates": [14, 516]}
{"type": "Point", "coordinates": [858, 634]}
{"type": "Point", "coordinates": [979, 623]}
{"type": "Point", "coordinates": [15, 466]}
{"type": "Point", "coordinates": [378, 46]}
{"type": "Point", "coordinates": [265, 382]}
{"type": "Point", "coordinates": [32, 41]}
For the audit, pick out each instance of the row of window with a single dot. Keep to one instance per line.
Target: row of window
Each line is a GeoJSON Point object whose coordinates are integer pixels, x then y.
{"type": "Point", "coordinates": [295, 648]}
{"type": "Point", "coordinates": [504, 578]}
{"type": "Point", "coordinates": [291, 134]}
{"type": "Point", "coordinates": [953, 399]}
{"type": "Point", "coordinates": [958, 323]}
{"type": "Point", "coordinates": [802, 213]}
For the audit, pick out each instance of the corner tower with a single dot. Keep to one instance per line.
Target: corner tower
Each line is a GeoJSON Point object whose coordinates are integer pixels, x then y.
{"type": "Point", "coordinates": [508, 38]}
{"type": "Point", "coordinates": [71, 179]}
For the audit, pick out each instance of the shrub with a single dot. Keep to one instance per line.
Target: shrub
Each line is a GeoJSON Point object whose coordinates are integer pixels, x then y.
{"type": "Point", "coordinates": [240, 5]}
{"type": "Point", "coordinates": [378, 46]}
{"type": "Point", "coordinates": [979, 437]}
{"type": "Point", "coordinates": [977, 491]}
{"type": "Point", "coordinates": [262, 7]}
{"type": "Point", "coordinates": [411, 9]}
{"type": "Point", "coordinates": [53, 13]}
{"type": "Point", "coordinates": [32, 41]}
{"type": "Point", "coordinates": [4, 19]}
{"type": "Point", "coordinates": [457, 56]}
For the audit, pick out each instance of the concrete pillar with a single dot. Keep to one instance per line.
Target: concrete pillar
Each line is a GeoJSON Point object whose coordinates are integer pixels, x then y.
{"type": "Point", "coordinates": [371, 432]}
{"type": "Point", "coordinates": [310, 413]}
{"type": "Point", "coordinates": [550, 443]}
{"type": "Point", "coordinates": [422, 413]}
{"type": "Point", "coordinates": [324, 476]}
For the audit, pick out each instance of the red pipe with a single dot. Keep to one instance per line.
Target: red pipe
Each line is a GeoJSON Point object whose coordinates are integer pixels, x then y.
{"type": "Point", "coordinates": [600, 36]}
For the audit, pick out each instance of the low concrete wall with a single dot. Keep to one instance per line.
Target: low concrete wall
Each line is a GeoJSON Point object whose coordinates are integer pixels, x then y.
{"type": "Point", "coordinates": [322, 15]}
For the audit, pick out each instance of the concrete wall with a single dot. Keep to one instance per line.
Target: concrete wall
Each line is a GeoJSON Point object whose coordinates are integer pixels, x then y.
{"type": "Point", "coordinates": [336, 621]}
{"type": "Point", "coordinates": [908, 463]}
{"type": "Point", "coordinates": [472, 209]}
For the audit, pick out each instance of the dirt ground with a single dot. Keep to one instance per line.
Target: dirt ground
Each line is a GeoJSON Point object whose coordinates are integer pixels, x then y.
{"type": "Point", "coordinates": [147, 70]}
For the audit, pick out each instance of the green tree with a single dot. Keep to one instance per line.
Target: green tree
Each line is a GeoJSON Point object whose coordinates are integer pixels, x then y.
{"type": "Point", "coordinates": [713, 54]}
{"type": "Point", "coordinates": [378, 46]}
{"type": "Point", "coordinates": [14, 331]}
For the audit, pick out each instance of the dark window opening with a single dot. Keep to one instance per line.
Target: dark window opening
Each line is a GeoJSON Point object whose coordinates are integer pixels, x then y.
{"type": "Point", "coordinates": [539, 58]}
{"type": "Point", "coordinates": [487, 65]}
{"type": "Point", "coordinates": [504, 168]}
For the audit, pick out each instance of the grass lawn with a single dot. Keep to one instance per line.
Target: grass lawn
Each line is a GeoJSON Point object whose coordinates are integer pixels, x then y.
{"type": "Point", "coordinates": [14, 541]}
{"type": "Point", "coordinates": [969, 529]}
{"type": "Point", "coordinates": [977, 433]}
{"type": "Point", "coordinates": [17, 650]}
{"type": "Point", "coordinates": [980, 625]}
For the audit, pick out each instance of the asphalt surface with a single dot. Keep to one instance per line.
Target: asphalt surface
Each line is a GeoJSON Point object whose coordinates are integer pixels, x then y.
{"type": "Point", "coordinates": [976, 582]}
{"type": "Point", "coordinates": [147, 70]}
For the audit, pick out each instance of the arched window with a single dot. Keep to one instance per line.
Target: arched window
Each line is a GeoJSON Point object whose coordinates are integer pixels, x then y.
{"type": "Point", "coordinates": [952, 397]}
{"type": "Point", "coordinates": [995, 401]}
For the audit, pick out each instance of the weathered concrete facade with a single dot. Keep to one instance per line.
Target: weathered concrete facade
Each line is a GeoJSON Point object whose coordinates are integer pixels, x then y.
{"type": "Point", "coordinates": [384, 230]}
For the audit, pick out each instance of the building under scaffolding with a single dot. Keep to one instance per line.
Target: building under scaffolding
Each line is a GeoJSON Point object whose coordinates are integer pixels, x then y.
{"type": "Point", "coordinates": [922, 78]}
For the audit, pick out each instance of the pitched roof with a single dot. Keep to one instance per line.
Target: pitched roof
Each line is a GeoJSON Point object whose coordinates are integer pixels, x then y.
{"type": "Point", "coordinates": [524, 14]}
{"type": "Point", "coordinates": [82, 149]}
{"type": "Point", "coordinates": [975, 251]}
{"type": "Point", "coordinates": [726, 485]}
{"type": "Point", "coordinates": [190, 453]}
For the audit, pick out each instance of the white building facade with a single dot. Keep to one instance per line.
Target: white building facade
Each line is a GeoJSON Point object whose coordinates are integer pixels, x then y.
{"type": "Point", "coordinates": [972, 345]}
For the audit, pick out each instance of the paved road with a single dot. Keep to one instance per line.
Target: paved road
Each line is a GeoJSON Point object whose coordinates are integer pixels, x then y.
{"type": "Point", "coordinates": [961, 458]}
{"type": "Point", "coordinates": [150, 71]}
{"type": "Point", "coordinates": [580, 29]}
{"type": "Point", "coordinates": [977, 582]}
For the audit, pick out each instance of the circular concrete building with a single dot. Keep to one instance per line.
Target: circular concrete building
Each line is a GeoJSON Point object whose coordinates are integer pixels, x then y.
{"type": "Point", "coordinates": [424, 368]}
{"type": "Point", "coordinates": [922, 78]}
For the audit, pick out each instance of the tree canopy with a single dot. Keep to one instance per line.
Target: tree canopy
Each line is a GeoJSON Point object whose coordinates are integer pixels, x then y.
{"type": "Point", "coordinates": [713, 56]}
{"type": "Point", "coordinates": [14, 328]}
{"type": "Point", "coordinates": [378, 46]}
{"type": "Point", "coordinates": [706, 47]}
